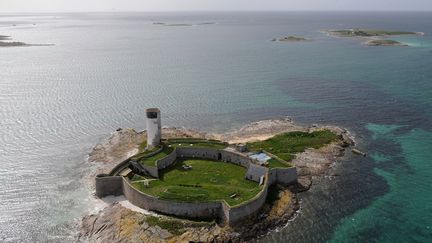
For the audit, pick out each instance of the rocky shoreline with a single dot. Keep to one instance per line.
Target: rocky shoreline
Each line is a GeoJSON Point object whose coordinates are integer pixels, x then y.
{"type": "Point", "coordinates": [116, 223]}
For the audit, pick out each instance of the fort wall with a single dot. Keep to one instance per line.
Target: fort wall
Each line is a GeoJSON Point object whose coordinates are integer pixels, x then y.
{"type": "Point", "coordinates": [183, 209]}
{"type": "Point", "coordinates": [247, 209]}
{"type": "Point", "coordinates": [167, 160]}
{"type": "Point", "coordinates": [195, 152]}
{"type": "Point", "coordinates": [108, 185]}
{"type": "Point", "coordinates": [117, 185]}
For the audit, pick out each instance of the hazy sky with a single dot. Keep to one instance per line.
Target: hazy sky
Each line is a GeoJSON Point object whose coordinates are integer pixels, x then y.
{"type": "Point", "coordinates": [211, 5]}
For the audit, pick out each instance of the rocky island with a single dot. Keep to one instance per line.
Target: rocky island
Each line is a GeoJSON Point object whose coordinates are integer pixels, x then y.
{"type": "Point", "coordinates": [269, 147]}
{"type": "Point", "coordinates": [373, 37]}
{"type": "Point", "coordinates": [368, 33]}
{"type": "Point", "coordinates": [8, 43]}
{"type": "Point", "coordinates": [291, 39]}
{"type": "Point", "coordinates": [384, 43]}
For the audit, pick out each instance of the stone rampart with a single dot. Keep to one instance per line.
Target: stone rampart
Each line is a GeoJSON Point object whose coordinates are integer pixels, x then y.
{"type": "Point", "coordinates": [286, 176]}
{"type": "Point", "coordinates": [195, 152]}
{"type": "Point", "coordinates": [152, 170]}
{"type": "Point", "coordinates": [235, 158]}
{"type": "Point", "coordinates": [183, 209]}
{"type": "Point", "coordinates": [245, 210]}
{"type": "Point", "coordinates": [108, 185]}
{"type": "Point", "coordinates": [167, 160]}
{"type": "Point", "coordinates": [141, 169]}
{"type": "Point", "coordinates": [118, 168]}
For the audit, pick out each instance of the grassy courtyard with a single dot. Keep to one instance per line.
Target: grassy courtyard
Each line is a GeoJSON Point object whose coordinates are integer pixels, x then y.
{"type": "Point", "coordinates": [169, 146]}
{"type": "Point", "coordinates": [285, 145]}
{"type": "Point", "coordinates": [207, 181]}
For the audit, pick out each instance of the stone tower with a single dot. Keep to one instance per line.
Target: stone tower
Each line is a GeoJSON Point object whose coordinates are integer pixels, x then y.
{"type": "Point", "coordinates": [154, 134]}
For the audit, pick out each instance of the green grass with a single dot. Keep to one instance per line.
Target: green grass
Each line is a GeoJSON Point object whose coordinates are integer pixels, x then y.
{"type": "Point", "coordinates": [287, 144]}
{"type": "Point", "coordinates": [207, 181]}
{"type": "Point", "coordinates": [200, 145]}
{"type": "Point", "coordinates": [174, 226]}
{"type": "Point", "coordinates": [197, 142]}
{"type": "Point", "coordinates": [192, 139]}
{"type": "Point", "coordinates": [151, 161]}
{"type": "Point", "coordinates": [184, 142]}
{"type": "Point", "coordinates": [274, 163]}
{"type": "Point", "coordinates": [142, 146]}
{"type": "Point", "coordinates": [144, 153]}
{"type": "Point", "coordinates": [137, 177]}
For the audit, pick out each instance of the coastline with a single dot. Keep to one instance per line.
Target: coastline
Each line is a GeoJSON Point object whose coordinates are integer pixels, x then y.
{"type": "Point", "coordinates": [284, 204]}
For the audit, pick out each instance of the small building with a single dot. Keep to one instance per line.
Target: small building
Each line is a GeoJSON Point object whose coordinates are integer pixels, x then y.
{"type": "Point", "coordinates": [260, 158]}
{"type": "Point", "coordinates": [256, 173]}
{"type": "Point", "coordinates": [241, 147]}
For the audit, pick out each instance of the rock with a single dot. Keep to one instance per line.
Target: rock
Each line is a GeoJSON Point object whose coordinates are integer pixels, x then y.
{"type": "Point", "coordinates": [304, 183]}
{"type": "Point", "coordinates": [358, 152]}
{"type": "Point", "coordinates": [118, 224]}
{"type": "Point", "coordinates": [120, 145]}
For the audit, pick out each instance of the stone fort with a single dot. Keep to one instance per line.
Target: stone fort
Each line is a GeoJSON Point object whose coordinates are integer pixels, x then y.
{"type": "Point", "coordinates": [117, 182]}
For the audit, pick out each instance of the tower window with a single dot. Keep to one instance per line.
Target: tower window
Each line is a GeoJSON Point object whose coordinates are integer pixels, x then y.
{"type": "Point", "coordinates": [152, 115]}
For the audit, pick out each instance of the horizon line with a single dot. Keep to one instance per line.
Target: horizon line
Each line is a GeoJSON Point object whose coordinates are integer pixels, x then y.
{"type": "Point", "coordinates": [213, 11]}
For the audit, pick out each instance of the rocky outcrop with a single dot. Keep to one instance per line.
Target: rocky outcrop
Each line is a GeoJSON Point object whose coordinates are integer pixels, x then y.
{"type": "Point", "coordinates": [117, 147]}
{"type": "Point", "coordinates": [118, 224]}
{"type": "Point", "coordinates": [261, 130]}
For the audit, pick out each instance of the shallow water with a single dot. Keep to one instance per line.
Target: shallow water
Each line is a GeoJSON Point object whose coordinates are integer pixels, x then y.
{"type": "Point", "coordinates": [105, 69]}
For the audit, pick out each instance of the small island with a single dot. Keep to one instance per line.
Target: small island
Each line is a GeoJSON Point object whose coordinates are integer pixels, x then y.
{"type": "Point", "coordinates": [373, 37]}
{"type": "Point", "coordinates": [4, 42]}
{"type": "Point", "coordinates": [291, 39]}
{"type": "Point", "coordinates": [12, 44]}
{"type": "Point", "coordinates": [204, 187]}
{"type": "Point", "coordinates": [385, 43]}
{"type": "Point", "coordinates": [368, 33]}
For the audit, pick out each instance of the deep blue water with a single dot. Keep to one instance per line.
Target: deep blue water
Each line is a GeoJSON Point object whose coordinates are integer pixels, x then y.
{"type": "Point", "coordinates": [106, 68]}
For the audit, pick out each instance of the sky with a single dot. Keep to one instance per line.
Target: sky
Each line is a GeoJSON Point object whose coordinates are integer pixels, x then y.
{"type": "Point", "coordinates": [212, 5]}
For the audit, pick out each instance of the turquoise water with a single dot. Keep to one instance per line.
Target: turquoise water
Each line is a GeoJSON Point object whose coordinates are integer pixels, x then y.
{"type": "Point", "coordinates": [105, 68]}
{"type": "Point", "coordinates": [402, 214]}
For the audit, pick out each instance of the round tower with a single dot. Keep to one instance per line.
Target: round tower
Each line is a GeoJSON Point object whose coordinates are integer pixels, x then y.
{"type": "Point", "coordinates": [154, 134]}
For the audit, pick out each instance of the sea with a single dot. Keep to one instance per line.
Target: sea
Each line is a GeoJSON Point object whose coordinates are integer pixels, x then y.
{"type": "Point", "coordinates": [217, 71]}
